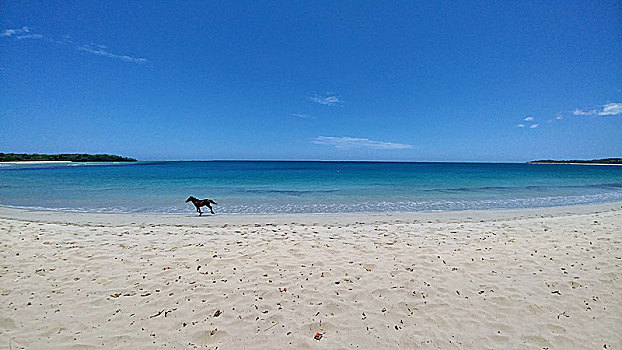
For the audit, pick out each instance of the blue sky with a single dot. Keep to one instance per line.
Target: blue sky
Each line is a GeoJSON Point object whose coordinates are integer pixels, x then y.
{"type": "Point", "coordinates": [347, 80]}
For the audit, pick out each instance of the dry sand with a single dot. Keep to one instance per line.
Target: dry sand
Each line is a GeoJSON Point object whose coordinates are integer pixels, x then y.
{"type": "Point", "coordinates": [539, 278]}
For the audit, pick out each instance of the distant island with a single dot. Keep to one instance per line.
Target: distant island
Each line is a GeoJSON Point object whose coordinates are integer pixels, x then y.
{"type": "Point", "coordinates": [593, 161]}
{"type": "Point", "coordinates": [71, 157]}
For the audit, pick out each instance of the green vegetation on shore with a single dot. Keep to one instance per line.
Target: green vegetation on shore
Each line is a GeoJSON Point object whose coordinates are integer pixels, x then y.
{"type": "Point", "coordinates": [72, 157]}
{"type": "Point", "coordinates": [593, 161]}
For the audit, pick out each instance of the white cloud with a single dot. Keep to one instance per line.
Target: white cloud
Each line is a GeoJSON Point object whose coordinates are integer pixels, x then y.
{"type": "Point", "coordinates": [559, 116]}
{"type": "Point", "coordinates": [614, 108]}
{"type": "Point", "coordinates": [20, 33]}
{"type": "Point", "coordinates": [521, 125]}
{"type": "Point", "coordinates": [100, 50]}
{"type": "Point", "coordinates": [8, 32]}
{"type": "Point", "coordinates": [327, 101]}
{"type": "Point", "coordinates": [611, 109]}
{"type": "Point", "coordinates": [301, 116]}
{"type": "Point", "coordinates": [29, 36]}
{"type": "Point", "coordinates": [528, 119]}
{"type": "Point", "coordinates": [11, 32]}
{"type": "Point", "coordinates": [533, 126]}
{"type": "Point", "coordinates": [580, 112]}
{"type": "Point", "coordinates": [354, 142]}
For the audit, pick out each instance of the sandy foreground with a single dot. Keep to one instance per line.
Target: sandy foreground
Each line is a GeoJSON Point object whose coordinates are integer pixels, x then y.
{"type": "Point", "coordinates": [539, 278]}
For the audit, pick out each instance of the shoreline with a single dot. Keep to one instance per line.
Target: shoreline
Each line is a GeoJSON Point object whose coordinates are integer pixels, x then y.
{"type": "Point", "coordinates": [52, 216]}
{"type": "Point", "coordinates": [38, 162]}
{"type": "Point", "coordinates": [572, 163]}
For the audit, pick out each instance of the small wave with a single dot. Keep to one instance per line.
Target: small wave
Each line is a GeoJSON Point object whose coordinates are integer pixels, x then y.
{"type": "Point", "coordinates": [359, 207]}
{"type": "Point", "coordinates": [289, 192]}
{"type": "Point", "coordinates": [66, 165]}
{"type": "Point", "coordinates": [529, 187]}
{"type": "Point", "coordinates": [422, 206]}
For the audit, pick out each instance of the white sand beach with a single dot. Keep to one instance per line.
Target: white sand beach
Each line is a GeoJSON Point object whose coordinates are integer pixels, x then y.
{"type": "Point", "coordinates": [517, 279]}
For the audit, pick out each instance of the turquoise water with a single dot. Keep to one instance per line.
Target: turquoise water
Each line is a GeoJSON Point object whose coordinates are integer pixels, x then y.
{"type": "Point", "coordinates": [303, 187]}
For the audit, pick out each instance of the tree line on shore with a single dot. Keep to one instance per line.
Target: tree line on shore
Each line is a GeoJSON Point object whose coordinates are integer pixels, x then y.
{"type": "Point", "coordinates": [593, 161]}
{"type": "Point", "coordinates": [72, 157]}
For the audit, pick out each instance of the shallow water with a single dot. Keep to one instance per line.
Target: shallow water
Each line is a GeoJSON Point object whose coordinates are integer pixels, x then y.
{"type": "Point", "coordinates": [304, 187]}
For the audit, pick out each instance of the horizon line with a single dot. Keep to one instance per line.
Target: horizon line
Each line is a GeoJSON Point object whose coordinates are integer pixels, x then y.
{"type": "Point", "coordinates": [332, 160]}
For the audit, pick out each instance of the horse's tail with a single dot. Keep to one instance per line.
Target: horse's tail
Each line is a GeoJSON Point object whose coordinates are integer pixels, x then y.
{"type": "Point", "coordinates": [211, 201]}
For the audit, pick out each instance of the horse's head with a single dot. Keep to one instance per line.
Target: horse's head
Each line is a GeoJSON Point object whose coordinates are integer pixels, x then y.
{"type": "Point", "coordinates": [190, 198]}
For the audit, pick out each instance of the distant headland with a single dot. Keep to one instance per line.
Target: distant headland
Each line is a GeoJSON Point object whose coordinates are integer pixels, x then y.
{"type": "Point", "coordinates": [70, 157]}
{"type": "Point", "coordinates": [604, 161]}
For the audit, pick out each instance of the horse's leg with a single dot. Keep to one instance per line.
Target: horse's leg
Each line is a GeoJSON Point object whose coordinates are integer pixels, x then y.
{"type": "Point", "coordinates": [199, 210]}
{"type": "Point", "coordinates": [210, 208]}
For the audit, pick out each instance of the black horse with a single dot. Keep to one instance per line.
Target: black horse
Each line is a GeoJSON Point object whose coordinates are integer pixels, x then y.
{"type": "Point", "coordinates": [201, 203]}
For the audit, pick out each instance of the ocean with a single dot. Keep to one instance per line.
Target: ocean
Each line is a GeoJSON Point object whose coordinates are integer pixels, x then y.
{"type": "Point", "coordinates": [270, 187]}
